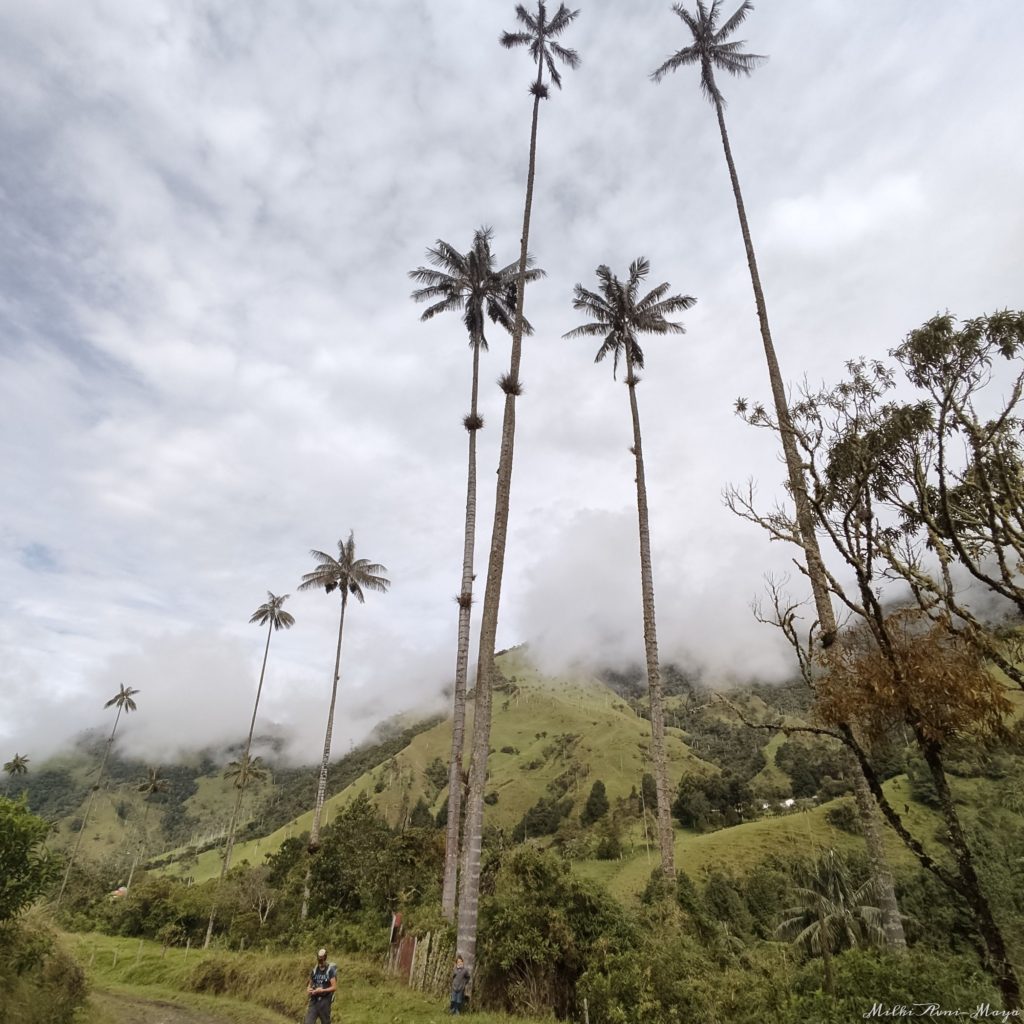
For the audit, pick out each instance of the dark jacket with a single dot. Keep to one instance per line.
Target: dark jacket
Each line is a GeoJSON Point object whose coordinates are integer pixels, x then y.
{"type": "Point", "coordinates": [460, 979]}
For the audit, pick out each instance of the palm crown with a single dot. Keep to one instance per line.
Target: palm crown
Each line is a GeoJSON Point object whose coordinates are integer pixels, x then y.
{"type": "Point", "coordinates": [272, 611]}
{"type": "Point", "coordinates": [468, 283]}
{"type": "Point", "coordinates": [154, 783]}
{"type": "Point", "coordinates": [539, 37]}
{"type": "Point", "coordinates": [346, 572]}
{"type": "Point", "coordinates": [620, 314]}
{"type": "Point", "coordinates": [18, 765]}
{"type": "Point", "coordinates": [710, 47]}
{"type": "Point", "coordinates": [123, 699]}
{"type": "Point", "coordinates": [243, 770]}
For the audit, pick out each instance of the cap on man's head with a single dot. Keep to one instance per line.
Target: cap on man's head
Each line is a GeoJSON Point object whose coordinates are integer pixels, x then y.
{"type": "Point", "coordinates": [321, 953]}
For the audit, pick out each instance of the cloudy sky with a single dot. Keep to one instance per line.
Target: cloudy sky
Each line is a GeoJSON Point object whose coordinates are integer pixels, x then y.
{"type": "Point", "coordinates": [209, 362]}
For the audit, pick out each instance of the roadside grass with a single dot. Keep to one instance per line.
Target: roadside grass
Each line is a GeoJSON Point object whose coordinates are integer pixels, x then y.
{"type": "Point", "coordinates": [232, 984]}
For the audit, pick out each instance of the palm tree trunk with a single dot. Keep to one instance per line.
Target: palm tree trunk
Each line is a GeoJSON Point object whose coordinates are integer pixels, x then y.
{"type": "Point", "coordinates": [88, 808]}
{"type": "Point", "coordinates": [321, 788]}
{"type": "Point", "coordinates": [868, 812]}
{"type": "Point", "coordinates": [665, 837]}
{"type": "Point", "coordinates": [881, 873]}
{"type": "Point", "coordinates": [469, 896]}
{"type": "Point", "coordinates": [826, 954]}
{"type": "Point", "coordinates": [232, 825]}
{"type": "Point", "coordinates": [139, 852]}
{"type": "Point", "coordinates": [989, 930]}
{"type": "Point", "coordinates": [451, 847]}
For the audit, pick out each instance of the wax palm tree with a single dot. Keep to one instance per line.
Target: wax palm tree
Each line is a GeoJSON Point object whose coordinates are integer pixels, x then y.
{"type": "Point", "coordinates": [154, 783]}
{"type": "Point", "coordinates": [124, 701]}
{"type": "Point", "coordinates": [711, 49]}
{"type": "Point", "coordinates": [470, 284]}
{"type": "Point", "coordinates": [272, 615]}
{"type": "Point", "coordinates": [18, 765]}
{"type": "Point", "coordinates": [350, 576]}
{"type": "Point", "coordinates": [618, 315]}
{"type": "Point", "coordinates": [831, 915]}
{"type": "Point", "coordinates": [538, 33]}
{"type": "Point", "coordinates": [242, 772]}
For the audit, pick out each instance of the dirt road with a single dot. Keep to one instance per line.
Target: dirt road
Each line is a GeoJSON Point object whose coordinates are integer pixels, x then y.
{"type": "Point", "coordinates": [109, 1007]}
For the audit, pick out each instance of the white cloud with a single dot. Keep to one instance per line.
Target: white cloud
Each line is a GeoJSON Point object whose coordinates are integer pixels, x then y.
{"type": "Point", "coordinates": [209, 362]}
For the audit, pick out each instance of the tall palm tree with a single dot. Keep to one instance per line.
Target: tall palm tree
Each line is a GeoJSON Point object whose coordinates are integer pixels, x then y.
{"type": "Point", "coordinates": [619, 315]}
{"type": "Point", "coordinates": [271, 614]}
{"type": "Point", "coordinates": [466, 283]}
{"type": "Point", "coordinates": [710, 49]}
{"type": "Point", "coordinates": [349, 576]}
{"type": "Point", "coordinates": [124, 701]}
{"type": "Point", "coordinates": [538, 34]}
{"type": "Point", "coordinates": [154, 783]}
{"type": "Point", "coordinates": [831, 915]}
{"type": "Point", "coordinates": [18, 765]}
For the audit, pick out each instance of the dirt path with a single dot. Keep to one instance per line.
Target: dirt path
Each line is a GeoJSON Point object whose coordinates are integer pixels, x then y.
{"type": "Point", "coordinates": [113, 1007]}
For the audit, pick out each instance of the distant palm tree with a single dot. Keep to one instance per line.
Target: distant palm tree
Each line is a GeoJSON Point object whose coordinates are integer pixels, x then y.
{"type": "Point", "coordinates": [538, 34]}
{"type": "Point", "coordinates": [471, 285]}
{"type": "Point", "coordinates": [18, 765]}
{"type": "Point", "coordinates": [710, 49]}
{"type": "Point", "coordinates": [124, 700]}
{"type": "Point", "coordinates": [154, 783]}
{"type": "Point", "coordinates": [271, 614]}
{"type": "Point", "coordinates": [831, 915]}
{"type": "Point", "coordinates": [619, 315]}
{"type": "Point", "coordinates": [348, 575]}
{"type": "Point", "coordinates": [241, 772]}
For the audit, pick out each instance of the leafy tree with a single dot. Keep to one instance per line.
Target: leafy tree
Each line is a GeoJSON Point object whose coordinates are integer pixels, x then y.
{"type": "Point", "coordinates": [124, 701]}
{"type": "Point", "coordinates": [18, 765]}
{"type": "Point", "coordinates": [832, 914]}
{"type": "Point", "coordinates": [710, 49]}
{"type": "Point", "coordinates": [540, 928]}
{"type": "Point", "coordinates": [421, 816]}
{"type": "Point", "coordinates": [26, 867]}
{"type": "Point", "coordinates": [905, 669]}
{"type": "Point", "coordinates": [542, 819]}
{"type": "Point", "coordinates": [469, 284]}
{"type": "Point", "coordinates": [539, 34]}
{"type": "Point", "coordinates": [619, 315]}
{"type": "Point", "coordinates": [271, 614]}
{"type": "Point", "coordinates": [597, 804]}
{"type": "Point", "coordinates": [348, 575]}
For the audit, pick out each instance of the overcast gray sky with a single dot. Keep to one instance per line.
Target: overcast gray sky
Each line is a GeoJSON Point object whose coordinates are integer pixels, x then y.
{"type": "Point", "coordinates": [209, 362]}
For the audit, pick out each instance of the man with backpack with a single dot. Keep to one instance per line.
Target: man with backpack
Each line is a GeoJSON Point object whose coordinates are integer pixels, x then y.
{"type": "Point", "coordinates": [323, 983]}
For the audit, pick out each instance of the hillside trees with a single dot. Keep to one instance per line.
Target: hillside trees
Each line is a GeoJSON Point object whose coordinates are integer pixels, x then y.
{"type": "Point", "coordinates": [124, 701]}
{"type": "Point", "coordinates": [470, 284]}
{"type": "Point", "coordinates": [711, 50]}
{"type": "Point", "coordinates": [618, 315]}
{"type": "Point", "coordinates": [539, 33]}
{"type": "Point", "coordinates": [349, 576]}
{"type": "Point", "coordinates": [271, 614]}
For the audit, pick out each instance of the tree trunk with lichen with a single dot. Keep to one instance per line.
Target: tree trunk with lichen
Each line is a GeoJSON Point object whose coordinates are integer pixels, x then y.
{"type": "Point", "coordinates": [321, 787]}
{"type": "Point", "coordinates": [866, 809]}
{"type": "Point", "coordinates": [465, 599]}
{"type": "Point", "coordinates": [469, 894]}
{"type": "Point", "coordinates": [658, 753]}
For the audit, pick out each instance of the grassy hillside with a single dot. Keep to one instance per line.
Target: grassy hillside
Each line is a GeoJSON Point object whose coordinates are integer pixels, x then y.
{"type": "Point", "coordinates": [550, 736]}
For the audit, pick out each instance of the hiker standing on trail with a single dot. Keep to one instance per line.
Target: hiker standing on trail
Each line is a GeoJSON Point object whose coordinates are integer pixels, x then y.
{"type": "Point", "coordinates": [323, 983]}
{"type": "Point", "coordinates": [460, 979]}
